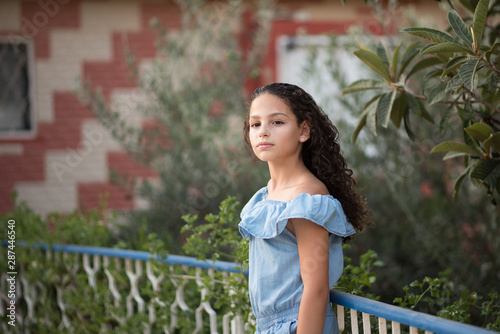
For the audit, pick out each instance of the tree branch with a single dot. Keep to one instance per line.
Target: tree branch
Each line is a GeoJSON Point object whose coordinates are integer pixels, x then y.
{"type": "Point", "coordinates": [479, 100]}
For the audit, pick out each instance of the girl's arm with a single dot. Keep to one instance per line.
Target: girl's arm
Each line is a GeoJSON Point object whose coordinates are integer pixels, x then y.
{"type": "Point", "coordinates": [312, 241]}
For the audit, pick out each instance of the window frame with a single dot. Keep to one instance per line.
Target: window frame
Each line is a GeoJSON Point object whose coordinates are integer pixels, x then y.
{"type": "Point", "coordinates": [30, 62]}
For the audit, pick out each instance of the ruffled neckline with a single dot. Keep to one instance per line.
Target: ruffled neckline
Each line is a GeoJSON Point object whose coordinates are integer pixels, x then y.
{"type": "Point", "coordinates": [267, 218]}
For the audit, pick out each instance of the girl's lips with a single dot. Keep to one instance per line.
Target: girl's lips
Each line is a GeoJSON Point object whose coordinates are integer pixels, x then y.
{"type": "Point", "coordinates": [264, 145]}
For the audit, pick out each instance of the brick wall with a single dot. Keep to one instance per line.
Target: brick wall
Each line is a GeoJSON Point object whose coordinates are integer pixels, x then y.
{"type": "Point", "coordinates": [66, 165]}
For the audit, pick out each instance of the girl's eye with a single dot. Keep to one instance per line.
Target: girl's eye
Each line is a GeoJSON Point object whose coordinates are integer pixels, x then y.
{"type": "Point", "coordinates": [278, 122]}
{"type": "Point", "coordinates": [254, 125]}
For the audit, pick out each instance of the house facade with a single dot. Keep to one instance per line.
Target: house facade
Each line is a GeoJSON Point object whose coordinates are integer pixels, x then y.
{"type": "Point", "coordinates": [53, 152]}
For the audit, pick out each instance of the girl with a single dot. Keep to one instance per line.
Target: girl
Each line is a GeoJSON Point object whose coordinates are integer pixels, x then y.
{"type": "Point", "coordinates": [296, 223]}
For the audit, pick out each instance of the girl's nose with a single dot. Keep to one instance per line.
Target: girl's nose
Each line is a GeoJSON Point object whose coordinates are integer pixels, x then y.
{"type": "Point", "coordinates": [264, 131]}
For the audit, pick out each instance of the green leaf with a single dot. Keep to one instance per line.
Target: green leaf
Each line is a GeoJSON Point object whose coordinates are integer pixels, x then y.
{"type": "Point", "coordinates": [459, 27]}
{"type": "Point", "coordinates": [458, 183]}
{"type": "Point", "coordinates": [437, 93]}
{"type": "Point", "coordinates": [454, 84]}
{"type": "Point", "coordinates": [451, 155]}
{"type": "Point", "coordinates": [398, 110]}
{"type": "Point", "coordinates": [444, 120]}
{"type": "Point", "coordinates": [408, 56]}
{"type": "Point", "coordinates": [407, 125]}
{"type": "Point", "coordinates": [455, 147]}
{"type": "Point", "coordinates": [493, 141]}
{"type": "Point", "coordinates": [444, 57]}
{"type": "Point", "coordinates": [393, 69]}
{"type": "Point", "coordinates": [446, 47]}
{"type": "Point", "coordinates": [383, 53]}
{"type": "Point", "coordinates": [362, 46]}
{"type": "Point", "coordinates": [478, 23]}
{"type": "Point", "coordinates": [368, 111]}
{"type": "Point", "coordinates": [486, 170]}
{"type": "Point", "coordinates": [454, 64]}
{"type": "Point", "coordinates": [423, 64]}
{"type": "Point", "coordinates": [361, 124]}
{"type": "Point", "coordinates": [479, 131]}
{"type": "Point", "coordinates": [432, 35]}
{"type": "Point", "coordinates": [417, 108]}
{"type": "Point", "coordinates": [384, 108]}
{"type": "Point", "coordinates": [371, 116]}
{"type": "Point", "coordinates": [468, 73]}
{"type": "Point", "coordinates": [364, 84]}
{"type": "Point", "coordinates": [374, 62]}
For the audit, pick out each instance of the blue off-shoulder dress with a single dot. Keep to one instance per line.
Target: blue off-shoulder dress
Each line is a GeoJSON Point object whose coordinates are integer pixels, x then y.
{"type": "Point", "coordinates": [275, 283]}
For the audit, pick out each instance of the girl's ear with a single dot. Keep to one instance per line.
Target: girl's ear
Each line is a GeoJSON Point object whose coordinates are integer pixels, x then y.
{"type": "Point", "coordinates": [305, 131]}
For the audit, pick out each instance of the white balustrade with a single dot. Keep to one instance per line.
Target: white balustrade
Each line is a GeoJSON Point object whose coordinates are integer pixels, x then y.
{"type": "Point", "coordinates": [131, 286]}
{"type": "Point", "coordinates": [169, 291]}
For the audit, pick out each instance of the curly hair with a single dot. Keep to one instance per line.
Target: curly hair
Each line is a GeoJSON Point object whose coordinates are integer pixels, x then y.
{"type": "Point", "coordinates": [321, 153]}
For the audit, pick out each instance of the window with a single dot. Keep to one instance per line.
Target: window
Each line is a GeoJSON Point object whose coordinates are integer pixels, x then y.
{"type": "Point", "coordinates": [16, 92]}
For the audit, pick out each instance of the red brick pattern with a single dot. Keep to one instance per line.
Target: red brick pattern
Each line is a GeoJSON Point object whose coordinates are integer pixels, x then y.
{"type": "Point", "coordinates": [66, 131]}
{"type": "Point", "coordinates": [93, 194]}
{"type": "Point", "coordinates": [38, 18]}
{"type": "Point", "coordinates": [69, 113]}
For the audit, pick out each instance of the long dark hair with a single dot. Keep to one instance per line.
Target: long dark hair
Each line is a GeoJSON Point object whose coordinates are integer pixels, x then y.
{"type": "Point", "coordinates": [321, 153]}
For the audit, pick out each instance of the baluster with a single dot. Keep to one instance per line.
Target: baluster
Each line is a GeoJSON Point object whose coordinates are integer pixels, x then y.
{"type": "Point", "coordinates": [413, 330]}
{"type": "Point", "coordinates": [367, 328]}
{"type": "Point", "coordinates": [65, 322]}
{"type": "Point", "coordinates": [231, 322]}
{"type": "Point", "coordinates": [204, 305]}
{"type": "Point", "coordinates": [91, 272]}
{"type": "Point", "coordinates": [234, 325]}
{"type": "Point", "coordinates": [382, 326]}
{"type": "Point", "coordinates": [340, 318]}
{"type": "Point", "coordinates": [179, 298]}
{"type": "Point", "coordinates": [237, 325]}
{"type": "Point", "coordinates": [134, 290]}
{"type": "Point", "coordinates": [396, 327]}
{"type": "Point", "coordinates": [354, 322]}
{"type": "Point", "coordinates": [112, 287]}
{"type": "Point", "coordinates": [29, 295]}
{"type": "Point", "coordinates": [111, 280]}
{"type": "Point", "coordinates": [155, 282]}
{"type": "Point", "coordinates": [226, 327]}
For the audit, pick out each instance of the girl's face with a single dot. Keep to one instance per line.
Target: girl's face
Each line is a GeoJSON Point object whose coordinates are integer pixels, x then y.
{"type": "Point", "coordinates": [274, 133]}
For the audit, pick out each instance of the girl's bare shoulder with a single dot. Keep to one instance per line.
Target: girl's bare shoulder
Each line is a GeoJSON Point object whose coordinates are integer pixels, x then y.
{"type": "Point", "coordinates": [311, 186]}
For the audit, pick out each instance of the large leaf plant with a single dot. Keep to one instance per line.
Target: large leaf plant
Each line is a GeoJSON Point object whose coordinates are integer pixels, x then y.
{"type": "Point", "coordinates": [461, 68]}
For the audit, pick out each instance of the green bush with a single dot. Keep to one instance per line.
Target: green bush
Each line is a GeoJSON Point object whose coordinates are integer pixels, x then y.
{"type": "Point", "coordinates": [462, 72]}
{"type": "Point", "coordinates": [93, 308]}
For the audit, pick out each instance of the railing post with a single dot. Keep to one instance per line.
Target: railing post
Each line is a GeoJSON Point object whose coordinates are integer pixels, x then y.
{"type": "Point", "coordinates": [340, 318]}
{"type": "Point", "coordinates": [382, 326]}
{"type": "Point", "coordinates": [354, 322]}
{"type": "Point", "coordinates": [396, 327]}
{"type": "Point", "coordinates": [205, 306]}
{"type": "Point", "coordinates": [367, 326]}
{"type": "Point", "coordinates": [134, 290]}
{"type": "Point", "coordinates": [179, 301]}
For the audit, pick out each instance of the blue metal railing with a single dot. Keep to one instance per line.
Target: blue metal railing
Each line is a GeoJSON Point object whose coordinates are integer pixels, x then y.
{"type": "Point", "coordinates": [398, 315]}
{"type": "Point", "coordinates": [145, 256]}
{"type": "Point", "coordinates": [411, 318]}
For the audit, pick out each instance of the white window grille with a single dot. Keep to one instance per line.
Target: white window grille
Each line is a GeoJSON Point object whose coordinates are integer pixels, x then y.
{"type": "Point", "coordinates": [16, 87]}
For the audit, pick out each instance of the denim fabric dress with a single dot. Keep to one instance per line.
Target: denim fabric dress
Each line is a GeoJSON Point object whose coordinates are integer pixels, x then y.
{"type": "Point", "coordinates": [275, 283]}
